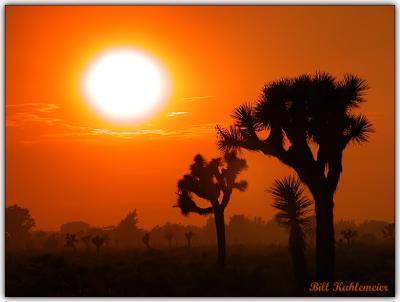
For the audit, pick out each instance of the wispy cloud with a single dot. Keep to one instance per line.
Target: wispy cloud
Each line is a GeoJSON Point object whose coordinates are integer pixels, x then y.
{"type": "Point", "coordinates": [31, 114]}
{"type": "Point", "coordinates": [18, 115]}
{"type": "Point", "coordinates": [199, 98]}
{"type": "Point", "coordinates": [41, 107]}
{"type": "Point", "coordinates": [177, 113]}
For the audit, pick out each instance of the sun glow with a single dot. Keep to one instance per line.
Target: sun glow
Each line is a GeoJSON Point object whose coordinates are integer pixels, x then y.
{"type": "Point", "coordinates": [125, 84]}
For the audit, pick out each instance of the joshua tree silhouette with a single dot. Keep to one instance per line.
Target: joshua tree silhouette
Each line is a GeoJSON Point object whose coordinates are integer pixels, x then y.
{"type": "Point", "coordinates": [70, 240]}
{"type": "Point", "coordinates": [189, 236]}
{"type": "Point", "coordinates": [309, 112]}
{"type": "Point", "coordinates": [388, 231]}
{"type": "Point", "coordinates": [169, 236]}
{"type": "Point", "coordinates": [208, 180]}
{"type": "Point", "coordinates": [349, 235]}
{"type": "Point", "coordinates": [98, 241]}
{"type": "Point", "coordinates": [293, 213]}
{"type": "Point", "coordinates": [146, 240]}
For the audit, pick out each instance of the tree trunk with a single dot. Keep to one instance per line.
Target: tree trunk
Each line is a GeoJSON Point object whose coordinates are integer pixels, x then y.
{"type": "Point", "coordinates": [189, 240]}
{"type": "Point", "coordinates": [297, 246]}
{"type": "Point", "coordinates": [220, 228]}
{"type": "Point", "coordinates": [325, 237]}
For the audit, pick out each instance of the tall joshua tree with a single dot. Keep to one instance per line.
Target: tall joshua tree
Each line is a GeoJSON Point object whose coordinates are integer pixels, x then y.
{"type": "Point", "coordinates": [302, 115]}
{"type": "Point", "coordinates": [293, 213]}
{"type": "Point", "coordinates": [213, 181]}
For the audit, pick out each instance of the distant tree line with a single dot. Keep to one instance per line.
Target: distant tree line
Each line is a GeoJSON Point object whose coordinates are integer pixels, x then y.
{"type": "Point", "coordinates": [240, 230]}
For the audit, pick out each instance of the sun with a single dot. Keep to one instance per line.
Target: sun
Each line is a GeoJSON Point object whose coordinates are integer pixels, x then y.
{"type": "Point", "coordinates": [125, 84]}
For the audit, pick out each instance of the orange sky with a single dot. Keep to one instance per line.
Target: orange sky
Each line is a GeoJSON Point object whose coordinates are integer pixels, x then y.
{"type": "Point", "coordinates": [64, 162]}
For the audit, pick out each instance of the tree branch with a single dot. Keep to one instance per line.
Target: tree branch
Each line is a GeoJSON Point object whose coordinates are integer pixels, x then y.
{"type": "Point", "coordinates": [187, 205]}
{"type": "Point", "coordinates": [335, 169]}
{"type": "Point", "coordinates": [226, 197]}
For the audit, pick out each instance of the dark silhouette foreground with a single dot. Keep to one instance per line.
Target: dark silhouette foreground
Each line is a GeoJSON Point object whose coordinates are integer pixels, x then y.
{"type": "Point", "coordinates": [258, 264]}
{"type": "Point", "coordinates": [252, 272]}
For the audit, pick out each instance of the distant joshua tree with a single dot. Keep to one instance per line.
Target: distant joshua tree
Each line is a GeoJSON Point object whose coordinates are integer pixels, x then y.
{"type": "Point", "coordinates": [146, 240]}
{"type": "Point", "coordinates": [293, 213]}
{"type": "Point", "coordinates": [349, 235]}
{"type": "Point", "coordinates": [309, 120]}
{"type": "Point", "coordinates": [189, 236]}
{"type": "Point", "coordinates": [169, 236]}
{"type": "Point", "coordinates": [388, 231]}
{"type": "Point", "coordinates": [98, 242]}
{"type": "Point", "coordinates": [86, 241]}
{"type": "Point", "coordinates": [210, 180]}
{"type": "Point", "coordinates": [70, 241]}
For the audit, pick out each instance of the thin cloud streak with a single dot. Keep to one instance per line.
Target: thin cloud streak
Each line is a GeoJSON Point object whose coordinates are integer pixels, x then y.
{"type": "Point", "coordinates": [41, 107]}
{"type": "Point", "coordinates": [199, 98]}
{"type": "Point", "coordinates": [177, 113]}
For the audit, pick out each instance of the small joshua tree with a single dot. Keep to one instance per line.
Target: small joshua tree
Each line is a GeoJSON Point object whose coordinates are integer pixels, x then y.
{"type": "Point", "coordinates": [213, 181]}
{"type": "Point", "coordinates": [86, 241]}
{"type": "Point", "coordinates": [349, 235]}
{"type": "Point", "coordinates": [169, 236]}
{"type": "Point", "coordinates": [293, 208]}
{"type": "Point", "coordinates": [388, 231]}
{"type": "Point", "coordinates": [98, 241]}
{"type": "Point", "coordinates": [70, 241]}
{"type": "Point", "coordinates": [189, 236]}
{"type": "Point", "coordinates": [146, 240]}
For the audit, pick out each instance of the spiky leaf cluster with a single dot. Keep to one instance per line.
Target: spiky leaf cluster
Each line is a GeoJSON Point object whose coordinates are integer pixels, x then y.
{"type": "Point", "coordinates": [289, 199]}
{"type": "Point", "coordinates": [293, 208]}
{"type": "Point", "coordinates": [298, 112]}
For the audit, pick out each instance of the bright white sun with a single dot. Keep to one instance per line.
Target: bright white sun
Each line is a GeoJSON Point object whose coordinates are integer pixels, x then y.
{"type": "Point", "coordinates": [125, 84]}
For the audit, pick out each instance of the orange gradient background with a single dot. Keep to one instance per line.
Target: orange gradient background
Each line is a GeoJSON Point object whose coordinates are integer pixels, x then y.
{"type": "Point", "coordinates": [64, 162]}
